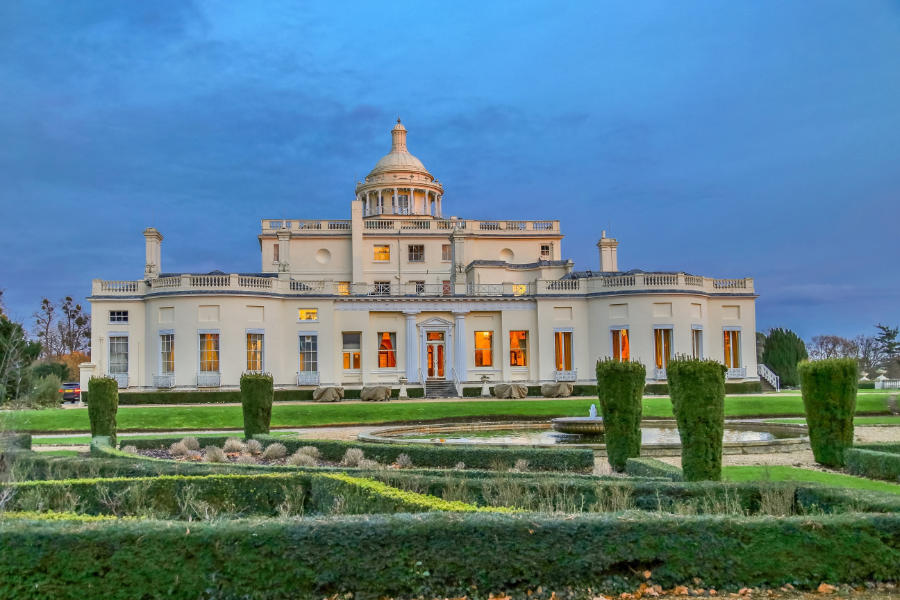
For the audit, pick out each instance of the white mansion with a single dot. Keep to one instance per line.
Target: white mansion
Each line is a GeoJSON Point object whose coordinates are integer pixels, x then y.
{"type": "Point", "coordinates": [401, 291]}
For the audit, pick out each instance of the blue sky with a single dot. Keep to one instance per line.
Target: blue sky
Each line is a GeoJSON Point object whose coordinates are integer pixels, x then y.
{"type": "Point", "coordinates": [732, 138]}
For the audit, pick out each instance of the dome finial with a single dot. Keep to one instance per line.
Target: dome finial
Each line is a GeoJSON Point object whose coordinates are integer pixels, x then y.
{"type": "Point", "coordinates": [398, 137]}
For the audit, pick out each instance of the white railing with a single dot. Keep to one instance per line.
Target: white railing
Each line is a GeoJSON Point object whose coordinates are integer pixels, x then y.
{"type": "Point", "coordinates": [562, 285]}
{"type": "Point", "coordinates": [484, 289]}
{"type": "Point", "coordinates": [545, 225]}
{"type": "Point", "coordinates": [693, 280]}
{"type": "Point", "coordinates": [769, 375]}
{"type": "Point", "coordinates": [379, 224]}
{"type": "Point", "coordinates": [167, 282]}
{"type": "Point", "coordinates": [121, 379]}
{"type": "Point", "coordinates": [210, 281]}
{"type": "Point", "coordinates": [489, 226]}
{"type": "Point", "coordinates": [451, 224]}
{"type": "Point", "coordinates": [565, 375]}
{"type": "Point", "coordinates": [119, 286]}
{"type": "Point", "coordinates": [415, 224]}
{"type": "Point", "coordinates": [729, 284]}
{"type": "Point", "coordinates": [736, 373]}
{"type": "Point", "coordinates": [618, 281]}
{"type": "Point", "coordinates": [339, 225]}
{"type": "Point", "coordinates": [164, 381]}
{"type": "Point", "coordinates": [254, 282]}
{"type": "Point", "coordinates": [660, 279]}
{"type": "Point", "coordinates": [659, 374]}
{"type": "Point", "coordinates": [208, 379]}
{"type": "Point", "coordinates": [308, 378]}
{"type": "Point", "coordinates": [516, 225]}
{"type": "Point", "coordinates": [270, 226]}
{"type": "Point", "coordinates": [309, 225]}
{"type": "Point", "coordinates": [887, 384]}
{"type": "Point", "coordinates": [456, 382]}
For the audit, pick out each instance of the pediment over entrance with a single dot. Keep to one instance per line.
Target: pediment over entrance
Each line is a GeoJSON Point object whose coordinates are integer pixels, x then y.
{"type": "Point", "coordinates": [435, 322]}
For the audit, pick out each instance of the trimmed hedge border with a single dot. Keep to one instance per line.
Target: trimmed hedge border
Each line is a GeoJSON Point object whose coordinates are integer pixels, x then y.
{"type": "Point", "coordinates": [652, 467]}
{"type": "Point", "coordinates": [872, 464]}
{"type": "Point", "coordinates": [438, 554]}
{"type": "Point", "coordinates": [743, 387]}
{"type": "Point", "coordinates": [230, 396]}
{"type": "Point", "coordinates": [15, 441]}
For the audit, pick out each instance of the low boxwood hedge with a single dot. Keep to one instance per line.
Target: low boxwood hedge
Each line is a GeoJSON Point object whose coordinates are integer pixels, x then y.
{"type": "Point", "coordinates": [652, 467]}
{"type": "Point", "coordinates": [742, 387]}
{"type": "Point", "coordinates": [229, 396]}
{"type": "Point", "coordinates": [872, 464]}
{"type": "Point", "coordinates": [438, 555]}
{"type": "Point", "coordinates": [11, 440]}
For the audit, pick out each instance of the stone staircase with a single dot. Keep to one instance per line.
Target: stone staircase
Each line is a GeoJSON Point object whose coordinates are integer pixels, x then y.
{"type": "Point", "coordinates": [438, 388]}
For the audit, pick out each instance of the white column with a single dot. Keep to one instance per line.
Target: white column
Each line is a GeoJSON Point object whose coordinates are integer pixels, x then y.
{"type": "Point", "coordinates": [460, 355]}
{"type": "Point", "coordinates": [439, 206]}
{"type": "Point", "coordinates": [380, 203]}
{"type": "Point", "coordinates": [412, 347]}
{"type": "Point", "coordinates": [394, 202]}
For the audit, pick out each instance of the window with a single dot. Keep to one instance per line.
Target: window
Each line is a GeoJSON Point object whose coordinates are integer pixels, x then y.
{"type": "Point", "coordinates": [209, 352]}
{"type": "Point", "coordinates": [167, 353]}
{"type": "Point", "coordinates": [420, 286]}
{"type": "Point", "coordinates": [447, 288]}
{"type": "Point", "coordinates": [563, 343]}
{"type": "Point", "coordinates": [382, 253]}
{"type": "Point", "coordinates": [416, 253]}
{"type": "Point", "coordinates": [518, 348]}
{"type": "Point", "coordinates": [484, 353]}
{"type": "Point", "coordinates": [118, 354]}
{"type": "Point", "coordinates": [118, 316]}
{"type": "Point", "coordinates": [276, 252]}
{"type": "Point", "coordinates": [308, 314]}
{"type": "Point", "coordinates": [403, 204]}
{"type": "Point", "coordinates": [546, 251]}
{"type": "Point", "coordinates": [662, 347]}
{"type": "Point", "coordinates": [255, 352]}
{"type": "Point", "coordinates": [621, 349]}
{"type": "Point", "coordinates": [309, 353]}
{"type": "Point", "coordinates": [732, 349]}
{"type": "Point", "coordinates": [697, 343]}
{"type": "Point", "coordinates": [351, 350]}
{"type": "Point", "coordinates": [520, 289]}
{"type": "Point", "coordinates": [387, 353]}
{"type": "Point", "coordinates": [445, 252]}
{"type": "Point", "coordinates": [343, 288]}
{"type": "Point", "coordinates": [382, 288]}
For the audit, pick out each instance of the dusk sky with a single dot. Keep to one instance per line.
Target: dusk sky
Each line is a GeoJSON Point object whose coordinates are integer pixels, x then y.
{"type": "Point", "coordinates": [732, 138]}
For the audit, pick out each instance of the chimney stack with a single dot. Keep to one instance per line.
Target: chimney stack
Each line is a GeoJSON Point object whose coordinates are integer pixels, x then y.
{"type": "Point", "coordinates": [609, 262]}
{"type": "Point", "coordinates": [153, 245]}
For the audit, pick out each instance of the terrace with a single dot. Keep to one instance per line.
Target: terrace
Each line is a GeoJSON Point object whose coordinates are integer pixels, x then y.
{"type": "Point", "coordinates": [406, 224]}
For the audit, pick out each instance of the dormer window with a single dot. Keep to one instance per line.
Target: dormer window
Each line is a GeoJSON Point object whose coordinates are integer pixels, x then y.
{"type": "Point", "coordinates": [546, 251]}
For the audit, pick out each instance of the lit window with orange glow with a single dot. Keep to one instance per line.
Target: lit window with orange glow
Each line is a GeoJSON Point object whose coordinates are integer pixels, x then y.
{"type": "Point", "coordinates": [732, 349]}
{"type": "Point", "coordinates": [308, 314]}
{"type": "Point", "coordinates": [343, 288]}
{"type": "Point", "coordinates": [255, 352]}
{"type": "Point", "coordinates": [621, 349]}
{"type": "Point", "coordinates": [209, 352]}
{"type": "Point", "coordinates": [662, 347]}
{"type": "Point", "coordinates": [563, 348]}
{"type": "Point", "coordinates": [484, 351]}
{"type": "Point", "coordinates": [387, 353]}
{"type": "Point", "coordinates": [382, 253]}
{"type": "Point", "coordinates": [518, 348]}
{"type": "Point", "coordinates": [520, 289]}
{"type": "Point", "coordinates": [351, 350]}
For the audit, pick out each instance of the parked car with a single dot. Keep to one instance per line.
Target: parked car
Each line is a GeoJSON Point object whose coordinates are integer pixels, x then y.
{"type": "Point", "coordinates": [71, 392]}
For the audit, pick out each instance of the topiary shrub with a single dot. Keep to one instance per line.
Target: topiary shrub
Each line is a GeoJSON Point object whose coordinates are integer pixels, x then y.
{"type": "Point", "coordinates": [783, 351]}
{"type": "Point", "coordinates": [829, 397]}
{"type": "Point", "coordinates": [257, 394]}
{"type": "Point", "coordinates": [103, 407]}
{"type": "Point", "coordinates": [620, 387]}
{"type": "Point", "coordinates": [697, 390]}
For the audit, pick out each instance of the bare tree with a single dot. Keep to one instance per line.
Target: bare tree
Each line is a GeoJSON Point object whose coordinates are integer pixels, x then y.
{"type": "Point", "coordinates": [74, 328]}
{"type": "Point", "coordinates": [45, 328]}
{"type": "Point", "coordinates": [832, 346]}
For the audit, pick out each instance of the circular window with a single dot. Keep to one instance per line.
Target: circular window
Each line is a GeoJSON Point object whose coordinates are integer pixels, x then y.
{"type": "Point", "coordinates": [323, 256]}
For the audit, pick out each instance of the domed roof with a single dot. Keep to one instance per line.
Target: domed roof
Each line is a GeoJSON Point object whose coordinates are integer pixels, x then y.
{"type": "Point", "coordinates": [399, 158]}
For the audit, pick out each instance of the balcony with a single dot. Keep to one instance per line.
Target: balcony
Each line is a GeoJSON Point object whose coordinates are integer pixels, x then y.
{"type": "Point", "coordinates": [385, 224]}
{"type": "Point", "coordinates": [308, 378]}
{"type": "Point", "coordinates": [680, 282]}
{"type": "Point", "coordinates": [208, 379]}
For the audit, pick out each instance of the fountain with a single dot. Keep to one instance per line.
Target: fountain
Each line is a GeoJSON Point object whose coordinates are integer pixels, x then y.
{"type": "Point", "coordinates": [591, 425]}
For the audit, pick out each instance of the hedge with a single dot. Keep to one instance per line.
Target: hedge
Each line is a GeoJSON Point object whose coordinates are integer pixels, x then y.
{"type": "Point", "coordinates": [227, 396]}
{"type": "Point", "coordinates": [620, 388]}
{"type": "Point", "coordinates": [829, 388]}
{"type": "Point", "coordinates": [257, 394]}
{"type": "Point", "coordinates": [742, 387]}
{"type": "Point", "coordinates": [875, 465]}
{"type": "Point", "coordinates": [102, 410]}
{"type": "Point", "coordinates": [12, 440]}
{"type": "Point", "coordinates": [652, 467]}
{"type": "Point", "coordinates": [438, 555]}
{"type": "Point", "coordinates": [698, 401]}
{"type": "Point", "coordinates": [866, 385]}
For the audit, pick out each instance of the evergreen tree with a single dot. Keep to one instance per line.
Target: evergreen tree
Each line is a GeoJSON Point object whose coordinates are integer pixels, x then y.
{"type": "Point", "coordinates": [783, 352]}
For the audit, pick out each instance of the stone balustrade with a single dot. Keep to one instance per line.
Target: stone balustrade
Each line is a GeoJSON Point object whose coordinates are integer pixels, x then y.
{"type": "Point", "coordinates": [543, 287]}
{"type": "Point", "coordinates": [384, 223]}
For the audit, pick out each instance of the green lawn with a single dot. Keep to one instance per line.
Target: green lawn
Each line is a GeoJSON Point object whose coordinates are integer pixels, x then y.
{"type": "Point", "coordinates": [136, 418]}
{"type": "Point", "coordinates": [879, 420]}
{"type": "Point", "coordinates": [780, 473]}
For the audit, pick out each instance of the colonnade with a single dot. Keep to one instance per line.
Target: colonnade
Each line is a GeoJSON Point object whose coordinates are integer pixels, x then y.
{"type": "Point", "coordinates": [389, 201]}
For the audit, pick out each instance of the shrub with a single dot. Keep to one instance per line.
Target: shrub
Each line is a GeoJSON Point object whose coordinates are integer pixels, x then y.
{"type": "Point", "coordinates": [274, 451]}
{"type": "Point", "coordinates": [652, 467]}
{"type": "Point", "coordinates": [872, 464]}
{"type": "Point", "coordinates": [828, 388]}
{"type": "Point", "coordinates": [245, 459]}
{"type": "Point", "coordinates": [365, 463]}
{"type": "Point", "coordinates": [460, 466]}
{"type": "Point", "coordinates": [214, 454]}
{"type": "Point", "coordinates": [521, 466]}
{"type": "Point", "coordinates": [179, 449]}
{"type": "Point", "coordinates": [352, 457]}
{"type": "Point", "coordinates": [866, 385]}
{"type": "Point", "coordinates": [783, 351]}
{"type": "Point", "coordinates": [254, 446]}
{"type": "Point", "coordinates": [103, 406]}
{"type": "Point", "coordinates": [45, 392]}
{"type": "Point", "coordinates": [61, 370]}
{"type": "Point", "coordinates": [298, 459]}
{"type": "Point", "coordinates": [234, 445]}
{"type": "Point", "coordinates": [130, 449]}
{"type": "Point", "coordinates": [310, 451]}
{"type": "Point", "coordinates": [191, 443]}
{"type": "Point", "coordinates": [697, 390]}
{"type": "Point", "coordinates": [403, 462]}
{"type": "Point", "coordinates": [620, 388]}
{"type": "Point", "coordinates": [257, 394]}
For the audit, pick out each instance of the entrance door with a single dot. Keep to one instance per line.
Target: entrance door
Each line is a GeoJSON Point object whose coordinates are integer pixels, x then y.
{"type": "Point", "coordinates": [434, 347]}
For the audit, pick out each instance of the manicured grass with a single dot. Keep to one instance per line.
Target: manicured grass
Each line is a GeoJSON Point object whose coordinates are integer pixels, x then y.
{"type": "Point", "coordinates": [132, 418]}
{"type": "Point", "coordinates": [879, 420]}
{"type": "Point", "coordinates": [60, 453]}
{"type": "Point", "coordinates": [781, 473]}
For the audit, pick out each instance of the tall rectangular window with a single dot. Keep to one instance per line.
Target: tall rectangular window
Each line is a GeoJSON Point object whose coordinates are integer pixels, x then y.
{"type": "Point", "coordinates": [167, 353]}
{"type": "Point", "coordinates": [546, 251]}
{"type": "Point", "coordinates": [403, 204]}
{"type": "Point", "coordinates": [307, 314]}
{"type": "Point", "coordinates": [420, 287]}
{"type": "Point", "coordinates": [518, 348]}
{"type": "Point", "coordinates": [351, 350]}
{"type": "Point", "coordinates": [445, 252]}
{"type": "Point", "coordinates": [416, 253]}
{"type": "Point", "coordinates": [209, 352]}
{"type": "Point", "coordinates": [662, 347]}
{"type": "Point", "coordinates": [309, 353]}
{"type": "Point", "coordinates": [343, 288]}
{"type": "Point", "coordinates": [563, 344]}
{"type": "Point", "coordinates": [484, 351]}
{"type": "Point", "coordinates": [276, 252]}
{"type": "Point", "coordinates": [118, 354]}
{"type": "Point", "coordinates": [118, 316]}
{"type": "Point", "coordinates": [382, 252]}
{"type": "Point", "coordinates": [255, 352]}
{"type": "Point", "coordinates": [621, 349]}
{"type": "Point", "coordinates": [732, 349]}
{"type": "Point", "coordinates": [387, 349]}
{"type": "Point", "coordinates": [697, 343]}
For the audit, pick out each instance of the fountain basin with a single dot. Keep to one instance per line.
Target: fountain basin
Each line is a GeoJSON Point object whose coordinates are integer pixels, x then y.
{"type": "Point", "coordinates": [587, 426]}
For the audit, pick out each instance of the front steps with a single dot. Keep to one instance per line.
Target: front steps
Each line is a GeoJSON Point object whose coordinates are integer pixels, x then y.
{"type": "Point", "coordinates": [440, 389]}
